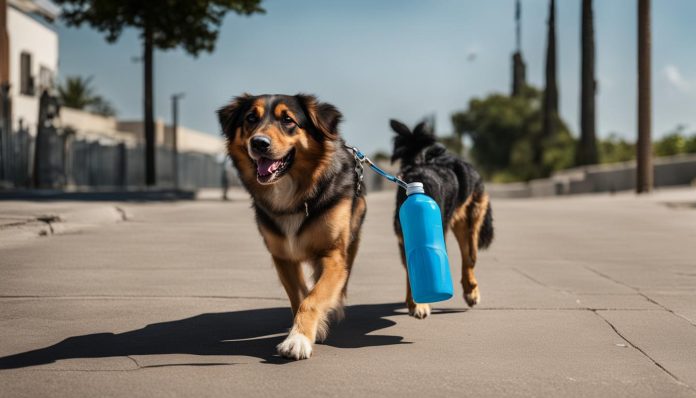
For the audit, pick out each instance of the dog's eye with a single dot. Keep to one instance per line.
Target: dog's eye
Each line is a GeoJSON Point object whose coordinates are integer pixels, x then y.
{"type": "Point", "coordinates": [252, 118]}
{"type": "Point", "coordinates": [287, 120]}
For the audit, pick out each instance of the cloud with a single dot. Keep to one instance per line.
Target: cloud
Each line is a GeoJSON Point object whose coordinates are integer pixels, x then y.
{"type": "Point", "coordinates": [677, 80]}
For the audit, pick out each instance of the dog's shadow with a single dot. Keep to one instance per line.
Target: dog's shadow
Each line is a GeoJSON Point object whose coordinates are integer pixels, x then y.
{"type": "Point", "coordinates": [252, 333]}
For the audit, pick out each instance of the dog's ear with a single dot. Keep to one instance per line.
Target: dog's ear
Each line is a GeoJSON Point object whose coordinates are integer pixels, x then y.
{"type": "Point", "coordinates": [422, 129]}
{"type": "Point", "coordinates": [230, 115]}
{"type": "Point", "coordinates": [324, 117]}
{"type": "Point", "coordinates": [399, 128]}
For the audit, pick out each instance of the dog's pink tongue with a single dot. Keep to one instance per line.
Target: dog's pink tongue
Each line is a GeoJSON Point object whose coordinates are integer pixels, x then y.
{"type": "Point", "coordinates": [267, 166]}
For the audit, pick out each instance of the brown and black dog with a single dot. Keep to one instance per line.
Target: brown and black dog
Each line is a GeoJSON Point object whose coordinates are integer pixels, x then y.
{"type": "Point", "coordinates": [307, 197]}
{"type": "Point", "coordinates": [457, 188]}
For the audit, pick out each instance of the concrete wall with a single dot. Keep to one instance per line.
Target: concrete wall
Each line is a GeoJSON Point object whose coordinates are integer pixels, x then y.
{"type": "Point", "coordinates": [668, 171]}
{"type": "Point", "coordinates": [90, 126]}
{"type": "Point", "coordinates": [188, 140]}
{"type": "Point", "coordinates": [38, 39]}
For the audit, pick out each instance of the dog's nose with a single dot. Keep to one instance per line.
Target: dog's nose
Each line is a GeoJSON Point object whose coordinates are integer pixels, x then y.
{"type": "Point", "coordinates": [260, 143]}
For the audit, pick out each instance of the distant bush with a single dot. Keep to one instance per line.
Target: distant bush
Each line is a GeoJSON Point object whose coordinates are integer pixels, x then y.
{"type": "Point", "coordinates": [615, 149]}
{"type": "Point", "coordinates": [675, 143]}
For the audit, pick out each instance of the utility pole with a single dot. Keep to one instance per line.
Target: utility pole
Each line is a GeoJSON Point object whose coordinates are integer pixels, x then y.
{"type": "Point", "coordinates": [175, 134]}
{"type": "Point", "coordinates": [5, 117]}
{"type": "Point", "coordinates": [148, 106]}
{"type": "Point", "coordinates": [644, 183]}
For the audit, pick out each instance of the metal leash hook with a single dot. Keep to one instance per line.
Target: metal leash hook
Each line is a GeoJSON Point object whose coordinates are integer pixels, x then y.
{"type": "Point", "coordinates": [360, 158]}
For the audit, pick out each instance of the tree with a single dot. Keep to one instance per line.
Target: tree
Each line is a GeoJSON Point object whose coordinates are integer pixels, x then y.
{"type": "Point", "coordinates": [505, 131]}
{"type": "Point", "coordinates": [191, 24]}
{"type": "Point", "coordinates": [675, 142]}
{"type": "Point", "coordinates": [616, 149]}
{"type": "Point", "coordinates": [644, 173]}
{"type": "Point", "coordinates": [102, 107]}
{"type": "Point", "coordinates": [587, 148]}
{"type": "Point", "coordinates": [550, 90]}
{"type": "Point", "coordinates": [77, 92]}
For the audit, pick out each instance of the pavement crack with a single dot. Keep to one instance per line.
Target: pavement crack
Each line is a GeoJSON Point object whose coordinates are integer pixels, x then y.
{"type": "Point", "coordinates": [49, 220]}
{"type": "Point", "coordinates": [122, 212]}
{"type": "Point", "coordinates": [652, 300]}
{"type": "Point", "coordinates": [645, 354]}
{"type": "Point", "coordinates": [128, 297]}
{"type": "Point", "coordinates": [538, 282]}
{"type": "Point", "coordinates": [134, 361]}
{"type": "Point", "coordinates": [16, 224]}
{"type": "Point", "coordinates": [640, 293]}
{"type": "Point", "coordinates": [168, 365]}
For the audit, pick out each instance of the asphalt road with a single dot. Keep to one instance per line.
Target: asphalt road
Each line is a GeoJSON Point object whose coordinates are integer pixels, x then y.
{"type": "Point", "coordinates": [583, 296]}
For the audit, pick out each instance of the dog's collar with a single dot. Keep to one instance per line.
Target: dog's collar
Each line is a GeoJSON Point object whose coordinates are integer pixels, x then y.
{"type": "Point", "coordinates": [300, 209]}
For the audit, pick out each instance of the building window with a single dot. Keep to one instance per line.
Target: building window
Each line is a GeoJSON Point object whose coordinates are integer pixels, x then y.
{"type": "Point", "coordinates": [26, 79]}
{"type": "Point", "coordinates": [45, 78]}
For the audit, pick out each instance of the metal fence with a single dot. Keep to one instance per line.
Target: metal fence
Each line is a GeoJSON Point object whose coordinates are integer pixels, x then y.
{"type": "Point", "coordinates": [67, 162]}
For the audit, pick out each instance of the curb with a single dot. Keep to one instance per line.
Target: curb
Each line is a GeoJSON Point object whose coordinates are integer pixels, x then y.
{"type": "Point", "coordinates": [22, 229]}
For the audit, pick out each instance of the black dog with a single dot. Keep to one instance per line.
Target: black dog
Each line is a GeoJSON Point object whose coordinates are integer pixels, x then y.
{"type": "Point", "coordinates": [457, 188]}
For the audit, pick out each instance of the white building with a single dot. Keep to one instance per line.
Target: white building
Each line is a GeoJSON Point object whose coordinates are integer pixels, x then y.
{"type": "Point", "coordinates": [33, 57]}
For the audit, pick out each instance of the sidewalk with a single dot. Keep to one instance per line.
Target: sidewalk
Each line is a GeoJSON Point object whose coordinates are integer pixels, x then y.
{"type": "Point", "coordinates": [24, 220]}
{"type": "Point", "coordinates": [587, 296]}
{"type": "Point", "coordinates": [27, 214]}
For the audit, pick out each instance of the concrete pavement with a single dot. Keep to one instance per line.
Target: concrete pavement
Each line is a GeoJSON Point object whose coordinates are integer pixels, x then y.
{"type": "Point", "coordinates": [581, 296]}
{"type": "Point", "coordinates": [25, 220]}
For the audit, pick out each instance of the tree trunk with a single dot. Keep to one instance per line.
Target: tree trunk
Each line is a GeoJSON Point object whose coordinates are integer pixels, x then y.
{"type": "Point", "coordinates": [550, 92]}
{"type": "Point", "coordinates": [644, 156]}
{"type": "Point", "coordinates": [150, 172]}
{"type": "Point", "coordinates": [518, 74]}
{"type": "Point", "coordinates": [518, 66]}
{"type": "Point", "coordinates": [587, 150]}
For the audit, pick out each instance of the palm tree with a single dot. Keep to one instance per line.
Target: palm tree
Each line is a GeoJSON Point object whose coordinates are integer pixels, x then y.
{"type": "Point", "coordinates": [587, 150]}
{"type": "Point", "coordinates": [550, 92]}
{"type": "Point", "coordinates": [77, 92]}
{"type": "Point", "coordinates": [644, 173]}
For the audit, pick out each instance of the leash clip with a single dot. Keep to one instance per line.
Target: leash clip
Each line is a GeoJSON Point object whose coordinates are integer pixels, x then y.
{"type": "Point", "coordinates": [359, 169]}
{"type": "Point", "coordinates": [360, 158]}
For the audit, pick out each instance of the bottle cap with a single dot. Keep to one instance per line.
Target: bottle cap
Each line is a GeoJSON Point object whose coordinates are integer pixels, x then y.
{"type": "Point", "coordinates": [414, 187]}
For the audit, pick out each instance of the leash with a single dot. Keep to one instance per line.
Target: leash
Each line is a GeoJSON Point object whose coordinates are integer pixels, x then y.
{"type": "Point", "coordinates": [360, 158]}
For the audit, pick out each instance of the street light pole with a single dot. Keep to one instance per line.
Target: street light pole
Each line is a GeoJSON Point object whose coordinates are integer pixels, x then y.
{"type": "Point", "coordinates": [175, 144]}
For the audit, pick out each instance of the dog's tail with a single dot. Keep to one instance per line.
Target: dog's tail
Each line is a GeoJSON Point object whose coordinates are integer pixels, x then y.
{"type": "Point", "coordinates": [486, 233]}
{"type": "Point", "coordinates": [407, 144]}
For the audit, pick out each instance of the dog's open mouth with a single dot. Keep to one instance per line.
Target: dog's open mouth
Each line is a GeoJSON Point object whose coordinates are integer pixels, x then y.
{"type": "Point", "coordinates": [269, 170]}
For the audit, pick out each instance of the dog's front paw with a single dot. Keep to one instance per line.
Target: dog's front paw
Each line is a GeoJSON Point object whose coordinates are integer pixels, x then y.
{"type": "Point", "coordinates": [420, 311]}
{"type": "Point", "coordinates": [295, 346]}
{"type": "Point", "coordinates": [473, 297]}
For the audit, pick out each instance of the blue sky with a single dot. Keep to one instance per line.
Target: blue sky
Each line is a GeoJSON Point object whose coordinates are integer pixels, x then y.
{"type": "Point", "coordinates": [401, 59]}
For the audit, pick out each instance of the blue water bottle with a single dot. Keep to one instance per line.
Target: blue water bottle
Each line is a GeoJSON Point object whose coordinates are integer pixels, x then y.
{"type": "Point", "coordinates": [424, 243]}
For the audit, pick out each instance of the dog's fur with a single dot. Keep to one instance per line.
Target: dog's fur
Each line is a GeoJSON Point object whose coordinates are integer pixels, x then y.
{"type": "Point", "coordinates": [309, 210]}
{"type": "Point", "coordinates": [457, 188]}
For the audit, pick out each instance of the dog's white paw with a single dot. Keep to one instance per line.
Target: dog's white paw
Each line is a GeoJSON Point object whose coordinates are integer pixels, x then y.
{"type": "Point", "coordinates": [295, 346]}
{"type": "Point", "coordinates": [473, 298]}
{"type": "Point", "coordinates": [420, 311]}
